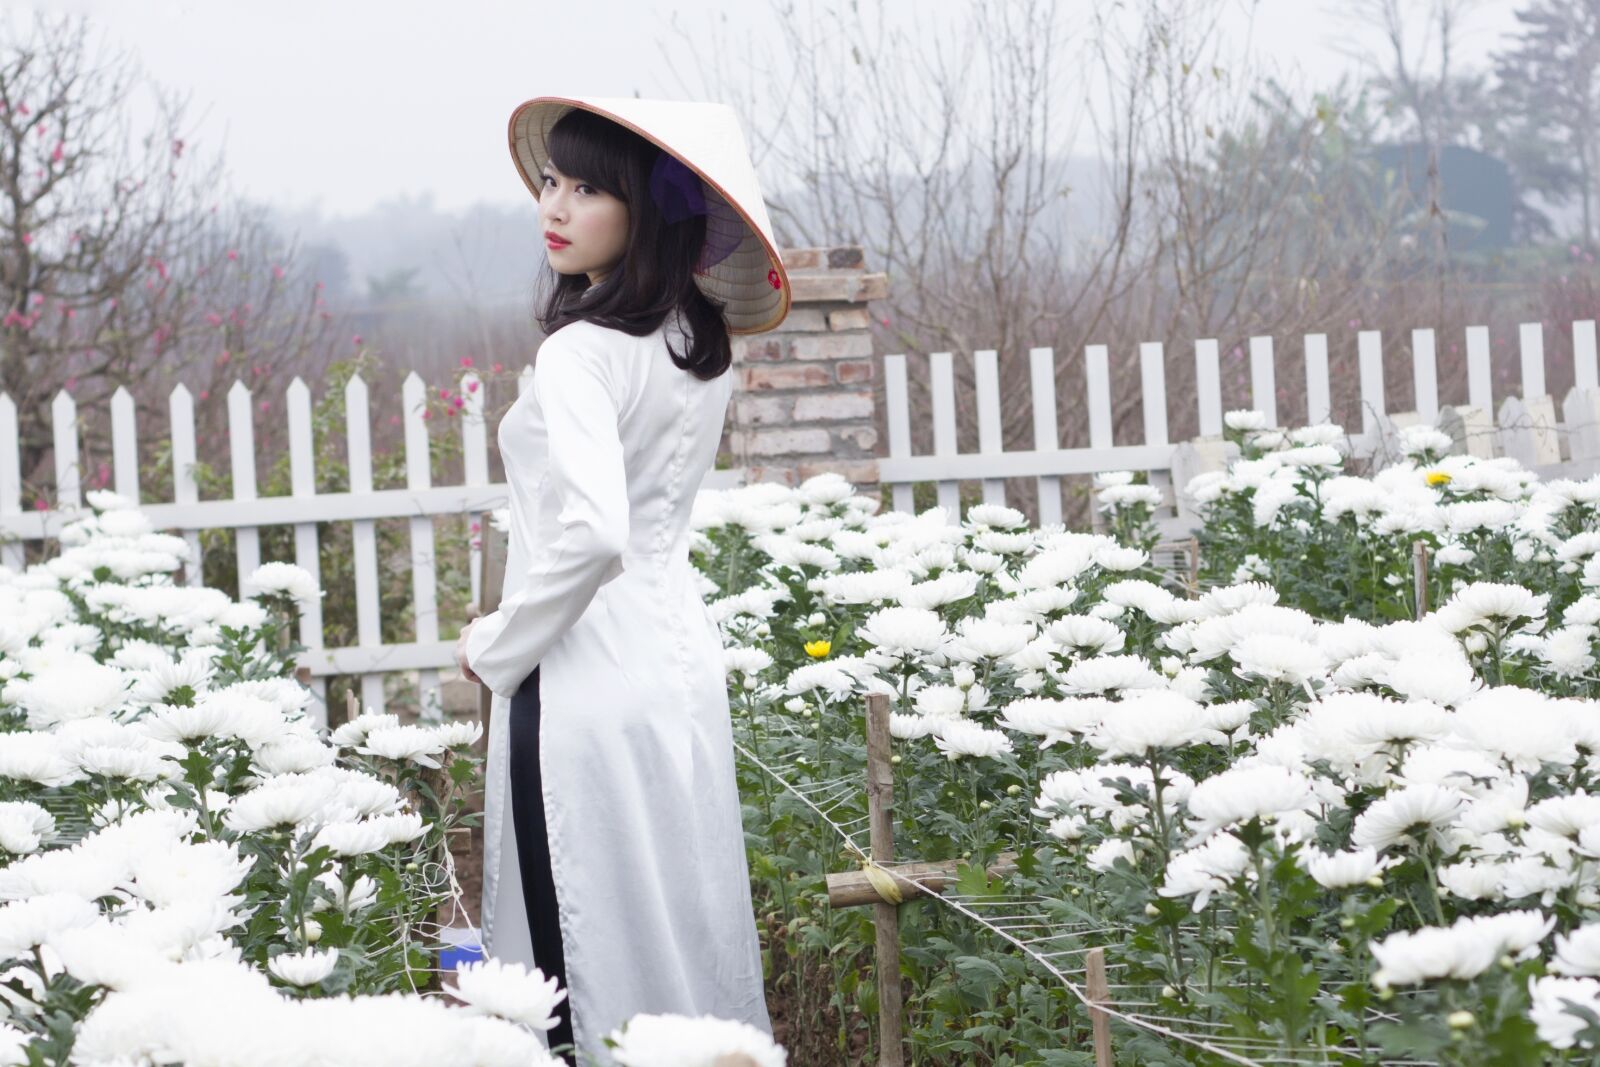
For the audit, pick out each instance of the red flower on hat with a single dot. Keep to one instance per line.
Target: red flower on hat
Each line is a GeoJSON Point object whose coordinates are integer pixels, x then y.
{"type": "Point", "coordinates": [772, 276]}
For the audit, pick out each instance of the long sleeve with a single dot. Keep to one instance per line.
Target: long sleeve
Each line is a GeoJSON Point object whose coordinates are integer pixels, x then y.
{"type": "Point", "coordinates": [572, 384]}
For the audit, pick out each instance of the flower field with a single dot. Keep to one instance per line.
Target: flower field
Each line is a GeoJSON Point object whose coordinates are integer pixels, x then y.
{"type": "Point", "coordinates": [190, 872]}
{"type": "Point", "coordinates": [1335, 804]}
{"type": "Point", "coordinates": [1338, 804]}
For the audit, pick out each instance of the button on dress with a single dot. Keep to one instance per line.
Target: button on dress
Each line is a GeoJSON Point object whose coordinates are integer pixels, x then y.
{"type": "Point", "coordinates": [603, 456]}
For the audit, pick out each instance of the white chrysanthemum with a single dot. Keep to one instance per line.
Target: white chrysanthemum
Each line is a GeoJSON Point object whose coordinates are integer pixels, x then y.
{"type": "Point", "coordinates": [1085, 633]}
{"type": "Point", "coordinates": [858, 587]}
{"type": "Point", "coordinates": [1565, 816]}
{"type": "Point", "coordinates": [1578, 953]}
{"type": "Point", "coordinates": [681, 1041]}
{"type": "Point", "coordinates": [940, 701]}
{"type": "Point", "coordinates": [1057, 565]}
{"type": "Point", "coordinates": [983, 638]}
{"type": "Point", "coordinates": [1116, 497]}
{"type": "Point", "coordinates": [1278, 658]}
{"type": "Point", "coordinates": [1393, 817]}
{"type": "Point", "coordinates": [1341, 870]}
{"type": "Point", "coordinates": [291, 800]}
{"type": "Point", "coordinates": [948, 588]}
{"type": "Point", "coordinates": [353, 838]}
{"type": "Point", "coordinates": [904, 632]}
{"type": "Point", "coordinates": [26, 924]}
{"type": "Point", "coordinates": [1104, 674]}
{"type": "Point", "coordinates": [24, 826]}
{"type": "Point", "coordinates": [1149, 721]}
{"type": "Point", "coordinates": [825, 675]}
{"type": "Point", "coordinates": [1558, 1025]}
{"type": "Point", "coordinates": [787, 551]}
{"type": "Point", "coordinates": [200, 870]}
{"type": "Point", "coordinates": [354, 731]}
{"type": "Point", "coordinates": [77, 688]}
{"type": "Point", "coordinates": [285, 579]}
{"type": "Point", "coordinates": [216, 715]}
{"type": "Point", "coordinates": [997, 516]}
{"type": "Point", "coordinates": [963, 737]}
{"type": "Point", "coordinates": [1240, 794]}
{"type": "Point", "coordinates": [305, 968]}
{"type": "Point", "coordinates": [1051, 719]}
{"type": "Point", "coordinates": [408, 744]}
{"type": "Point", "coordinates": [1245, 419]}
{"type": "Point", "coordinates": [1106, 854]}
{"type": "Point", "coordinates": [1485, 602]}
{"type": "Point", "coordinates": [746, 661]}
{"type": "Point", "coordinates": [1517, 726]}
{"type": "Point", "coordinates": [907, 727]}
{"type": "Point", "coordinates": [291, 755]}
{"type": "Point", "coordinates": [509, 991]}
{"type": "Point", "coordinates": [1205, 869]}
{"type": "Point", "coordinates": [460, 733]}
{"type": "Point", "coordinates": [1219, 634]}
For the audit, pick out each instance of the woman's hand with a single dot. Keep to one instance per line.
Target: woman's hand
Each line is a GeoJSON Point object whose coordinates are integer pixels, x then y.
{"type": "Point", "coordinates": [461, 654]}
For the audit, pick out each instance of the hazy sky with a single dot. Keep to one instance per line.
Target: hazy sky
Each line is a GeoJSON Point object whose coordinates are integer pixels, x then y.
{"type": "Point", "coordinates": [339, 104]}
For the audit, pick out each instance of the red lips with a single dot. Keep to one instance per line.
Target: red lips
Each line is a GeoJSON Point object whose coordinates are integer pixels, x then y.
{"type": "Point", "coordinates": [555, 240]}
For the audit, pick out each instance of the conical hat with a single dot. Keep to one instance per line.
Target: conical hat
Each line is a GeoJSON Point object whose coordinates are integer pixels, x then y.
{"type": "Point", "coordinates": [750, 281]}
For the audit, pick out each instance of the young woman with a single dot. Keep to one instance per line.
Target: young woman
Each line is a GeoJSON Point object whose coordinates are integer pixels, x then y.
{"type": "Point", "coordinates": [614, 850]}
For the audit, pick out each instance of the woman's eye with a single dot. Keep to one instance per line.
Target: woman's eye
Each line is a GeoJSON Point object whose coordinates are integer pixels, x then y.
{"type": "Point", "coordinates": [548, 179]}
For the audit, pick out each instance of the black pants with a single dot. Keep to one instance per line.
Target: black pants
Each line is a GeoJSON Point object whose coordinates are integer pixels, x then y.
{"type": "Point", "coordinates": [533, 850]}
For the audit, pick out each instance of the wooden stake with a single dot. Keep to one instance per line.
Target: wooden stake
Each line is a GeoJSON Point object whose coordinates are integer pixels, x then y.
{"type": "Point", "coordinates": [1194, 566]}
{"type": "Point", "coordinates": [491, 576]}
{"type": "Point", "coordinates": [1419, 575]}
{"type": "Point", "coordinates": [851, 889]}
{"type": "Point", "coordinates": [885, 916]}
{"type": "Point", "coordinates": [1099, 993]}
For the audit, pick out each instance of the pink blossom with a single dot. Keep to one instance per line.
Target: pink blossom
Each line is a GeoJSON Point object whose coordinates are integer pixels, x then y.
{"type": "Point", "coordinates": [266, 405]}
{"type": "Point", "coordinates": [72, 382]}
{"type": "Point", "coordinates": [277, 271]}
{"type": "Point", "coordinates": [498, 367]}
{"type": "Point", "coordinates": [213, 318]}
{"type": "Point", "coordinates": [205, 394]}
{"type": "Point", "coordinates": [466, 361]}
{"type": "Point", "coordinates": [233, 253]}
{"type": "Point", "coordinates": [460, 402]}
{"type": "Point", "coordinates": [38, 298]}
{"type": "Point", "coordinates": [55, 157]}
{"type": "Point", "coordinates": [427, 414]}
{"type": "Point", "coordinates": [27, 238]}
{"type": "Point", "coordinates": [41, 505]}
{"type": "Point", "coordinates": [475, 527]}
{"type": "Point", "coordinates": [357, 340]}
{"type": "Point", "coordinates": [472, 387]}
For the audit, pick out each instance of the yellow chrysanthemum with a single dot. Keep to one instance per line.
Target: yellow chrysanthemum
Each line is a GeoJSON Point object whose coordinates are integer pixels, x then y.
{"type": "Point", "coordinates": [818, 649]}
{"type": "Point", "coordinates": [1438, 478]}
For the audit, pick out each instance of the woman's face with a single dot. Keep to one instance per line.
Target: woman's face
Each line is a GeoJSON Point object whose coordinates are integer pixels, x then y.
{"type": "Point", "coordinates": [594, 225]}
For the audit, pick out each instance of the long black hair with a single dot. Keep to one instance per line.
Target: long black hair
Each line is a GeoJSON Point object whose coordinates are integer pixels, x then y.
{"type": "Point", "coordinates": [656, 274]}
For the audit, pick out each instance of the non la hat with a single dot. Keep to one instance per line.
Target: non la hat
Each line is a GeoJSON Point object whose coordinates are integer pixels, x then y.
{"type": "Point", "coordinates": [747, 276]}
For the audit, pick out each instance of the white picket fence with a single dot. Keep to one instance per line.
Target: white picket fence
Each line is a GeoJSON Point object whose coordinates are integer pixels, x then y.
{"type": "Point", "coordinates": [1526, 427]}
{"type": "Point", "coordinates": [246, 513]}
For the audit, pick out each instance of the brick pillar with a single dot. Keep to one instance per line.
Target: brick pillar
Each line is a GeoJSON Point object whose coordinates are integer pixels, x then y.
{"type": "Point", "coordinates": [803, 398]}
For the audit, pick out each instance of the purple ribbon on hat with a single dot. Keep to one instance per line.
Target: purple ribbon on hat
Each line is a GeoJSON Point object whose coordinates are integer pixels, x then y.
{"type": "Point", "coordinates": [676, 189]}
{"type": "Point", "coordinates": [679, 193]}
